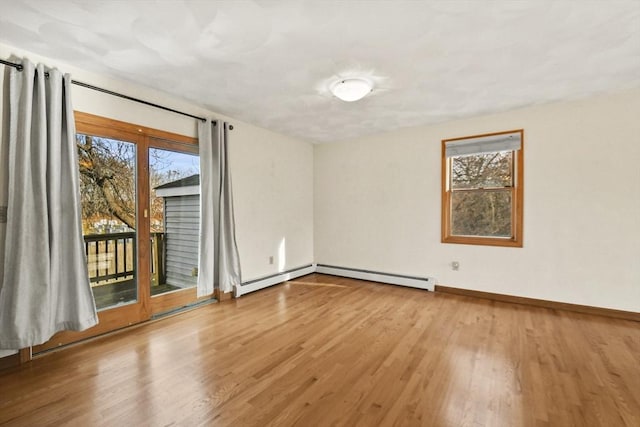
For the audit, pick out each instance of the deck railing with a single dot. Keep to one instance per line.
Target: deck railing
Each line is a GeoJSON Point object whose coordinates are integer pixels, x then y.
{"type": "Point", "coordinates": [157, 259]}
{"type": "Point", "coordinates": [111, 257]}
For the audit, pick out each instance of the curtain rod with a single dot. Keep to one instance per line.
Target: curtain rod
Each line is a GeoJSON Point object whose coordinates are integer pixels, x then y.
{"type": "Point", "coordinates": [110, 92]}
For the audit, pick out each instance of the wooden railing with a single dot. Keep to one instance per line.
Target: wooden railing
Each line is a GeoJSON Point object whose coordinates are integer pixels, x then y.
{"type": "Point", "coordinates": [157, 259]}
{"type": "Point", "coordinates": [112, 257]}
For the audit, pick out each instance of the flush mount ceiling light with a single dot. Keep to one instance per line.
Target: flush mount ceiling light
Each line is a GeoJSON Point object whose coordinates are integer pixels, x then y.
{"type": "Point", "coordinates": [351, 89]}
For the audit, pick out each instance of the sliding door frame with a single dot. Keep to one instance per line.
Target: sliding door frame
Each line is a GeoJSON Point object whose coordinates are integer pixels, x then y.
{"type": "Point", "coordinates": [145, 307]}
{"type": "Point", "coordinates": [175, 299]}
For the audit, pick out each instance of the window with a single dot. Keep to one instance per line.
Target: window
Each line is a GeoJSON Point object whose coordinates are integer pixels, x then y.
{"type": "Point", "coordinates": [482, 187]}
{"type": "Point", "coordinates": [174, 178]}
{"type": "Point", "coordinates": [108, 195]}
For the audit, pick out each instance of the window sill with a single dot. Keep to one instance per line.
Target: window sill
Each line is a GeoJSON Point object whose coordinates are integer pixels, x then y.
{"type": "Point", "coordinates": [483, 241]}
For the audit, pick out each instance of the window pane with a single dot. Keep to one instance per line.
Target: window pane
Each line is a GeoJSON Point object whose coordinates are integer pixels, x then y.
{"type": "Point", "coordinates": [482, 170]}
{"type": "Point", "coordinates": [108, 197]}
{"type": "Point", "coordinates": [175, 217]}
{"type": "Point", "coordinates": [481, 213]}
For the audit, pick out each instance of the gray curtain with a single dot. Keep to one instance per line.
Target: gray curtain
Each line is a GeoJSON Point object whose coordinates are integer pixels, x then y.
{"type": "Point", "coordinates": [219, 263]}
{"type": "Point", "coordinates": [44, 286]}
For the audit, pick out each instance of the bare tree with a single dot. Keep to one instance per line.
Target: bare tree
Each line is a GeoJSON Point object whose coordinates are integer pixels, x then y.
{"type": "Point", "coordinates": [485, 209]}
{"type": "Point", "coordinates": [108, 186]}
{"type": "Point", "coordinates": [107, 179]}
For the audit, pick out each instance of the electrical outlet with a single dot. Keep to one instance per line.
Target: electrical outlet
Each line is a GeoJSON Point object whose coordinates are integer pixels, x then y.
{"type": "Point", "coordinates": [194, 272]}
{"type": "Point", "coordinates": [455, 265]}
{"type": "Point", "coordinates": [271, 259]}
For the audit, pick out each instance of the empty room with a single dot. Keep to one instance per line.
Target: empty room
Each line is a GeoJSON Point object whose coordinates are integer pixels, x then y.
{"type": "Point", "coordinates": [314, 213]}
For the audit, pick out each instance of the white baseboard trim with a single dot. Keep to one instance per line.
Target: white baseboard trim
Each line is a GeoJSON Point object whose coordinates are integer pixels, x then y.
{"type": "Point", "coordinates": [257, 284]}
{"type": "Point", "coordinates": [427, 283]}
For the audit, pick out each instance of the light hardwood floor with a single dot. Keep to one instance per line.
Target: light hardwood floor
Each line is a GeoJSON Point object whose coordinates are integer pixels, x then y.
{"type": "Point", "coordinates": [323, 350]}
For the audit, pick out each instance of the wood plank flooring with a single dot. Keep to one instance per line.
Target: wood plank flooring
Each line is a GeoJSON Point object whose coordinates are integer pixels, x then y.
{"type": "Point", "coordinates": [323, 350]}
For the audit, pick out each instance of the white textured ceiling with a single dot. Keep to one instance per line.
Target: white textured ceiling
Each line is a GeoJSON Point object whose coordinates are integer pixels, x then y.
{"type": "Point", "coordinates": [269, 62]}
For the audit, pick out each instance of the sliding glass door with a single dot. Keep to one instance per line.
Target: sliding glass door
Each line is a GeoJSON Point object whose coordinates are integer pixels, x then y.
{"type": "Point", "coordinates": [174, 173]}
{"type": "Point", "coordinates": [139, 189]}
{"type": "Point", "coordinates": [109, 217]}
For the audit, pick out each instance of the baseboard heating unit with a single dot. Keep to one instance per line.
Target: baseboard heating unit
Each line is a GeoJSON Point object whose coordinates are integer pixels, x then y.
{"type": "Point", "coordinates": [427, 283]}
{"type": "Point", "coordinates": [263, 282]}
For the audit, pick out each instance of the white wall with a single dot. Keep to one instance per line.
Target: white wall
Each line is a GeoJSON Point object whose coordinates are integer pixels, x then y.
{"type": "Point", "coordinates": [377, 205]}
{"type": "Point", "coordinates": [273, 194]}
{"type": "Point", "coordinates": [272, 174]}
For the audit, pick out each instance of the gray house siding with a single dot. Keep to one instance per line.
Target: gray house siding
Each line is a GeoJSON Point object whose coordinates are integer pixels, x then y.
{"type": "Point", "coordinates": [181, 239]}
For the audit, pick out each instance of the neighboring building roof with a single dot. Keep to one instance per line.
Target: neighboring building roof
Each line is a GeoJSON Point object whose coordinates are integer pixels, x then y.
{"type": "Point", "coordinates": [184, 182]}
{"type": "Point", "coordinates": [182, 187]}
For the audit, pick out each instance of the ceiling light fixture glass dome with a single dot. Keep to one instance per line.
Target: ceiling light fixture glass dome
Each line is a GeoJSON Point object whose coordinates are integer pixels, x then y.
{"type": "Point", "coordinates": [351, 89]}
